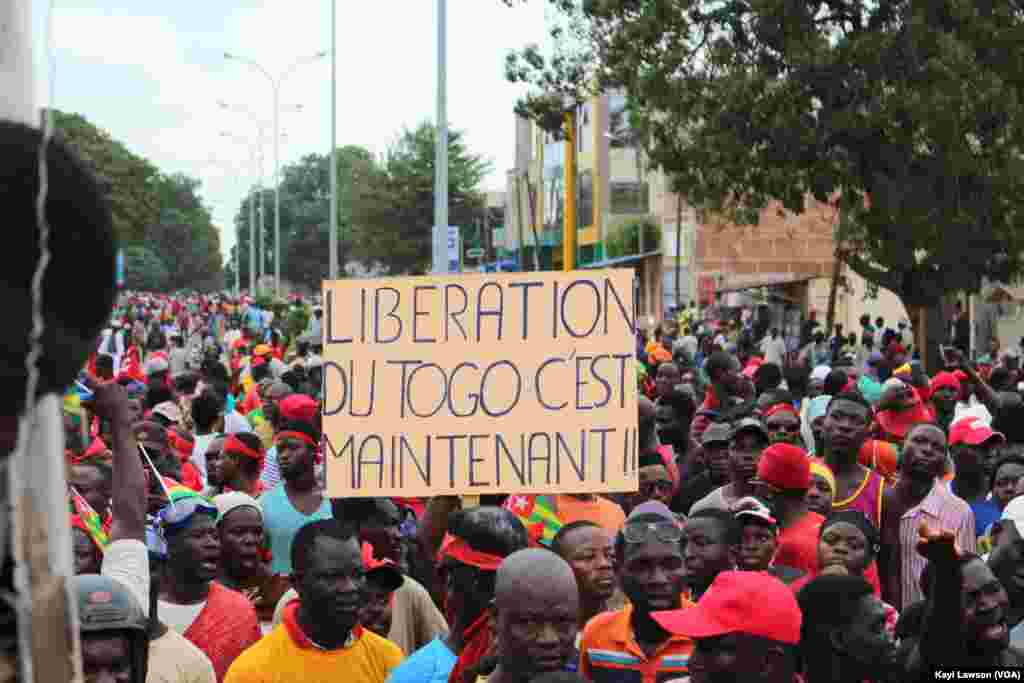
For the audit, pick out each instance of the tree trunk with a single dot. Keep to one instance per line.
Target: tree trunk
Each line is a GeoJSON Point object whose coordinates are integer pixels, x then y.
{"type": "Point", "coordinates": [833, 291]}
{"type": "Point", "coordinates": [531, 195]}
{"type": "Point", "coordinates": [929, 323]}
{"type": "Point", "coordinates": [679, 250]}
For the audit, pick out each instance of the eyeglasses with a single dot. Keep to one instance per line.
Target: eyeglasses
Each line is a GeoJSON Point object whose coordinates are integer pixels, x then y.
{"type": "Point", "coordinates": [640, 532]}
{"type": "Point", "coordinates": [181, 511]}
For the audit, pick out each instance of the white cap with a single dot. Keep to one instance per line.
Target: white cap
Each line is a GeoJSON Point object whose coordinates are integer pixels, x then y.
{"type": "Point", "coordinates": [820, 373]}
{"type": "Point", "coordinates": [228, 502]}
{"type": "Point", "coordinates": [1014, 512]}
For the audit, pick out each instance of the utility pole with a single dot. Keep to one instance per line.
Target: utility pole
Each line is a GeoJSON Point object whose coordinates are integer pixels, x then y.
{"type": "Point", "coordinates": [569, 220]}
{"type": "Point", "coordinates": [440, 241]}
{"type": "Point", "coordinates": [334, 144]}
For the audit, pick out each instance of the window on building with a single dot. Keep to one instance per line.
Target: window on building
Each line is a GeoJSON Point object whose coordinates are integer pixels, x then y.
{"type": "Point", "coordinates": [618, 121]}
{"type": "Point", "coordinates": [585, 201]}
{"type": "Point", "coordinates": [629, 197]}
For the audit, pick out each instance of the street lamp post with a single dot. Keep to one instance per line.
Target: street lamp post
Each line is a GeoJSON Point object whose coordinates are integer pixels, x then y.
{"type": "Point", "coordinates": [333, 269]}
{"type": "Point", "coordinates": [254, 154]}
{"type": "Point", "coordinates": [275, 85]}
{"type": "Point", "coordinates": [440, 240]}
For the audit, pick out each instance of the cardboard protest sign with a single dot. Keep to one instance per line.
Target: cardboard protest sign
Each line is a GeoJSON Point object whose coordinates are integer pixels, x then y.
{"type": "Point", "coordinates": [477, 384]}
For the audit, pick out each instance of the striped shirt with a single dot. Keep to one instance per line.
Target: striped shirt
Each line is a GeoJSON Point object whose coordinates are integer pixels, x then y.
{"type": "Point", "coordinates": [941, 509]}
{"type": "Point", "coordinates": [609, 652]}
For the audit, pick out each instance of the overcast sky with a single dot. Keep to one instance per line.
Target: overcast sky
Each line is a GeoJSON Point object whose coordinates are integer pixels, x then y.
{"type": "Point", "coordinates": [152, 73]}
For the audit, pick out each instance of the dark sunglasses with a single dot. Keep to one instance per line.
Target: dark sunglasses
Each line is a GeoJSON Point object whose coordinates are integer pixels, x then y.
{"type": "Point", "coordinates": [641, 532]}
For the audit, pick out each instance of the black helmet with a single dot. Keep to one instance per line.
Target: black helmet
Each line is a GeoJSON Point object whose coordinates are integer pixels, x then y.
{"type": "Point", "coordinates": [105, 605]}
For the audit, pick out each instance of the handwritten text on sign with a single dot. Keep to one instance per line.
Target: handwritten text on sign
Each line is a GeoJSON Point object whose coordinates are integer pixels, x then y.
{"type": "Point", "coordinates": [491, 383]}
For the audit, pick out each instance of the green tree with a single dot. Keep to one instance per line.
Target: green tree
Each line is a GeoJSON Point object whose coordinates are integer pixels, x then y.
{"type": "Point", "coordinates": [127, 178]}
{"type": "Point", "coordinates": [393, 204]}
{"type": "Point", "coordinates": [904, 115]}
{"type": "Point", "coordinates": [144, 270]}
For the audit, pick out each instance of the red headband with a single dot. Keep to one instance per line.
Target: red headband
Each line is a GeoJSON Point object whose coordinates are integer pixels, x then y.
{"type": "Point", "coordinates": [304, 438]}
{"type": "Point", "coordinates": [236, 445]}
{"type": "Point", "coordinates": [780, 408]}
{"type": "Point", "coordinates": [458, 549]}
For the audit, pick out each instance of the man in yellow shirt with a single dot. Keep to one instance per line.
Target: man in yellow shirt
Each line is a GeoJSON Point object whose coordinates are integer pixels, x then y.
{"type": "Point", "coordinates": [320, 639]}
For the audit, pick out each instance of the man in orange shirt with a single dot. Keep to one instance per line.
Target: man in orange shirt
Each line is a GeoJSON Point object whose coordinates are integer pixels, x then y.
{"type": "Point", "coordinates": [629, 643]}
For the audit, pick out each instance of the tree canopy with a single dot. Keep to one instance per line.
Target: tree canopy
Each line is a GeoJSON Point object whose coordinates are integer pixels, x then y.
{"type": "Point", "coordinates": [907, 116]}
{"type": "Point", "coordinates": [167, 232]}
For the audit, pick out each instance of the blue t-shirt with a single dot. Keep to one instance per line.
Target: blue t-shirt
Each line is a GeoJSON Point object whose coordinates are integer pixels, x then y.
{"type": "Point", "coordinates": [985, 513]}
{"type": "Point", "coordinates": [432, 663]}
{"type": "Point", "coordinates": [282, 521]}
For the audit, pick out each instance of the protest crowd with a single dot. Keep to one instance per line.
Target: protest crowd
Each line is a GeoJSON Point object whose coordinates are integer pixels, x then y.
{"type": "Point", "coordinates": [827, 515]}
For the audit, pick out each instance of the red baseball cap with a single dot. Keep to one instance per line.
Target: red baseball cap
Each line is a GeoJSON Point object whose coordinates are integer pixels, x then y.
{"type": "Point", "coordinates": [973, 433]}
{"type": "Point", "coordinates": [785, 466]}
{"type": "Point", "coordinates": [298, 407]}
{"type": "Point", "coordinates": [753, 603]}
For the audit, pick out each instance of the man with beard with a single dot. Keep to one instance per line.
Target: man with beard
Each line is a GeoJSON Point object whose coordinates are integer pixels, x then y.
{"type": "Point", "coordinates": [714, 453]}
{"type": "Point", "coordinates": [965, 626]}
{"type": "Point", "coordinates": [745, 629]}
{"type": "Point", "coordinates": [727, 390]}
{"type": "Point", "coordinates": [214, 464]}
{"type": "Point", "coordinates": [477, 540]}
{"type": "Point", "coordinates": [918, 496]}
{"type": "Point", "coordinates": [842, 635]}
{"type": "Point", "coordinates": [590, 552]}
{"type": "Point", "coordinates": [534, 613]}
{"type": "Point", "coordinates": [296, 501]}
{"type": "Point", "coordinates": [974, 446]}
{"type": "Point", "coordinates": [629, 643]}
{"type": "Point", "coordinates": [748, 439]}
{"type": "Point", "coordinates": [320, 639]}
{"type": "Point", "coordinates": [219, 621]}
{"type": "Point", "coordinates": [1007, 563]}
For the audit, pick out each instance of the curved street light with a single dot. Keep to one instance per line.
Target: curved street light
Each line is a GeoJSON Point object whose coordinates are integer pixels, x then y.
{"type": "Point", "coordinates": [275, 85]}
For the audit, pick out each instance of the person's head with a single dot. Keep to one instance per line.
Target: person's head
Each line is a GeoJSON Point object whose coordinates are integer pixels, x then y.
{"type": "Point", "coordinates": [328, 574]}
{"type": "Point", "coordinates": [715, 449]}
{"type": "Point", "coordinates": [843, 625]}
{"type": "Point", "coordinates": [215, 462]}
{"type": "Point", "coordinates": [276, 392]}
{"type": "Point", "coordinates": [588, 549]}
{"type": "Point", "coordinates": [768, 376]}
{"type": "Point", "coordinates": [834, 383]}
{"type": "Point", "coordinates": [114, 631]}
{"type": "Point", "coordinates": [88, 556]}
{"type": "Point", "coordinates": [849, 540]}
{"type": "Point", "coordinates": [846, 424]}
{"type": "Point", "coordinates": [711, 539]}
{"type": "Point", "coordinates": [259, 370]}
{"type": "Point", "coordinates": [1007, 473]}
{"type": "Point", "coordinates": [296, 446]}
{"type": "Point", "coordinates": [208, 412]}
{"type": "Point", "coordinates": [924, 453]}
{"type": "Point", "coordinates": [193, 543]}
{"type": "Point", "coordinates": [649, 559]}
{"type": "Point", "coordinates": [467, 581]}
{"type": "Point", "coordinates": [745, 628]}
{"type": "Point", "coordinates": [655, 481]}
{"type": "Point", "coordinates": [93, 479]}
{"type": "Point", "coordinates": [783, 477]}
{"type": "Point", "coordinates": [783, 423]}
{"type": "Point", "coordinates": [666, 379]}
{"type": "Point", "coordinates": [822, 490]}
{"type": "Point", "coordinates": [104, 366]}
{"type": "Point", "coordinates": [1007, 562]}
{"type": "Point", "coordinates": [759, 534]}
{"type": "Point", "coordinates": [535, 613]}
{"type": "Point", "coordinates": [242, 457]}
{"type": "Point", "coordinates": [379, 526]}
{"type": "Point", "coordinates": [945, 388]}
{"type": "Point", "coordinates": [819, 337]}
{"type": "Point", "coordinates": [722, 371]}
{"type": "Point", "coordinates": [974, 446]}
{"type": "Point", "coordinates": [749, 438]}
{"type": "Point", "coordinates": [240, 528]}
{"type": "Point", "coordinates": [383, 578]}
{"type": "Point", "coordinates": [985, 604]}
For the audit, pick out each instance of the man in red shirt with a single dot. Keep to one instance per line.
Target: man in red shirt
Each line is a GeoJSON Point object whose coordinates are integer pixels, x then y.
{"type": "Point", "coordinates": [783, 477]}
